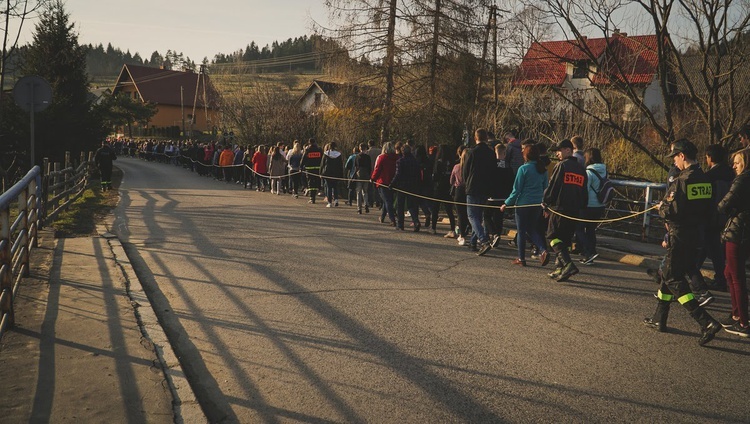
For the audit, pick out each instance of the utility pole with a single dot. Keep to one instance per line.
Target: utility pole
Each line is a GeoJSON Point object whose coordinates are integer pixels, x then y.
{"type": "Point", "coordinates": [483, 63]}
{"type": "Point", "coordinates": [493, 19]}
{"type": "Point", "coordinates": [182, 109]}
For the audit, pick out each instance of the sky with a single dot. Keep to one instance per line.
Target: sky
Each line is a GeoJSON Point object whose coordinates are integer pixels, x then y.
{"type": "Point", "coordinates": [198, 29]}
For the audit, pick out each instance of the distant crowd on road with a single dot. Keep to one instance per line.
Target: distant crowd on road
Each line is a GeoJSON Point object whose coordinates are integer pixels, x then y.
{"type": "Point", "coordinates": [707, 214]}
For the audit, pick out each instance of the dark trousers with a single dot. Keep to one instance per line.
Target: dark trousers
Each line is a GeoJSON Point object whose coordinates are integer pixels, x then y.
{"type": "Point", "coordinates": [295, 180]}
{"type": "Point", "coordinates": [526, 226]}
{"type": "Point", "coordinates": [313, 185]}
{"type": "Point", "coordinates": [408, 201]}
{"type": "Point", "coordinates": [106, 174]}
{"type": "Point", "coordinates": [459, 196]}
{"type": "Point", "coordinates": [435, 211]}
{"type": "Point", "coordinates": [679, 260]}
{"type": "Point", "coordinates": [560, 234]}
{"type": "Point", "coordinates": [493, 218]}
{"type": "Point", "coordinates": [713, 249]}
{"type": "Point", "coordinates": [586, 231]}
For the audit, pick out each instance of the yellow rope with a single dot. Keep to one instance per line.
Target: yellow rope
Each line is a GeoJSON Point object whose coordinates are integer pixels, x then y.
{"type": "Point", "coordinates": [599, 221]}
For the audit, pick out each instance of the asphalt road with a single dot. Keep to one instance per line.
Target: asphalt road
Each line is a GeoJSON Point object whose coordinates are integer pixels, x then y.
{"type": "Point", "coordinates": [284, 311]}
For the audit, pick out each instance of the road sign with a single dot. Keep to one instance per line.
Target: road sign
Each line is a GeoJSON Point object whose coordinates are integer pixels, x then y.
{"type": "Point", "coordinates": [32, 94]}
{"type": "Point", "coordinates": [32, 91]}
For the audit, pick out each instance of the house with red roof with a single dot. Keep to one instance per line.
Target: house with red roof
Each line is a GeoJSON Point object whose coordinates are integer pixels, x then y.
{"type": "Point", "coordinates": [186, 101]}
{"type": "Point", "coordinates": [587, 67]}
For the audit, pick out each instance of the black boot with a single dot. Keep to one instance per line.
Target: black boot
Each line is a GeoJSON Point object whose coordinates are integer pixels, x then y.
{"type": "Point", "coordinates": [659, 321]}
{"type": "Point", "coordinates": [558, 268]}
{"type": "Point", "coordinates": [709, 326]}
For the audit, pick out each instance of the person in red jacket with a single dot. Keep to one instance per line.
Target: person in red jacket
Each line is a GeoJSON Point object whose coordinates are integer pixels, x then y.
{"type": "Point", "coordinates": [382, 175]}
{"type": "Point", "coordinates": [260, 166]}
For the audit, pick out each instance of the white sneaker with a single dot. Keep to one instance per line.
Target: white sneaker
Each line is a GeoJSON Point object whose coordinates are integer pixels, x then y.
{"type": "Point", "coordinates": [328, 205]}
{"type": "Point", "coordinates": [461, 241]}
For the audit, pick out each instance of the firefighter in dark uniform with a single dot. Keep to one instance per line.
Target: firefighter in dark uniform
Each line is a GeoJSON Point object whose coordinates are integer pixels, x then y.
{"type": "Point", "coordinates": [567, 194]}
{"type": "Point", "coordinates": [310, 164]}
{"type": "Point", "coordinates": [686, 206]}
{"type": "Point", "coordinates": [103, 158]}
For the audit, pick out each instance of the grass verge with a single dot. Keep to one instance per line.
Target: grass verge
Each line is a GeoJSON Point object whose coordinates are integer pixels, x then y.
{"type": "Point", "coordinates": [81, 217]}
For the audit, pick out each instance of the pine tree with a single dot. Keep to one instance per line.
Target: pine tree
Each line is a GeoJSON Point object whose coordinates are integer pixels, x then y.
{"type": "Point", "coordinates": [56, 56]}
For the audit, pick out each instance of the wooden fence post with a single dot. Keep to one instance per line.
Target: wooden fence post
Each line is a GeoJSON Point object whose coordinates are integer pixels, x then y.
{"type": "Point", "coordinates": [55, 181]}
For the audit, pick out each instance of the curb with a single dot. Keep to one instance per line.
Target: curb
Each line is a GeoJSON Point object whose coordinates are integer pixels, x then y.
{"type": "Point", "coordinates": [185, 406]}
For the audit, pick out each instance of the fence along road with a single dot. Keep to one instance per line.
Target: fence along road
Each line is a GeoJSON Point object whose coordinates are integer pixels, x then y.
{"type": "Point", "coordinates": [283, 311]}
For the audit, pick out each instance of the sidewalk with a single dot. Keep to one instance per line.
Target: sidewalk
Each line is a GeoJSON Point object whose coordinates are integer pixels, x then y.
{"type": "Point", "coordinates": [77, 353]}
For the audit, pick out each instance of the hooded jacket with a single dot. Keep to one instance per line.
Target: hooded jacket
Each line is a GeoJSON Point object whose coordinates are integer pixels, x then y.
{"type": "Point", "coordinates": [595, 184]}
{"type": "Point", "coordinates": [332, 164]}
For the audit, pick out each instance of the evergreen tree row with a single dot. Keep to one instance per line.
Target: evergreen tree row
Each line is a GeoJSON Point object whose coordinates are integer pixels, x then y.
{"type": "Point", "coordinates": [107, 61]}
{"type": "Point", "coordinates": [290, 47]}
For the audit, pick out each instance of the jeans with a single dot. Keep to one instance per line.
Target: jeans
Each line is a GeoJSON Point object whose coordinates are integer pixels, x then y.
{"type": "Point", "coordinates": [332, 192]}
{"type": "Point", "coordinates": [386, 194]}
{"type": "Point", "coordinates": [475, 211]}
{"type": "Point", "coordinates": [361, 190]}
{"type": "Point", "coordinates": [410, 202]}
{"type": "Point", "coordinates": [295, 181]}
{"type": "Point", "coordinates": [586, 231]}
{"type": "Point", "coordinates": [526, 224]}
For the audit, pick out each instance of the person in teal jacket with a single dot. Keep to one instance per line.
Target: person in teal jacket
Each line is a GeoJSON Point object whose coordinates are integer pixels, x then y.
{"type": "Point", "coordinates": [596, 171]}
{"type": "Point", "coordinates": [528, 190]}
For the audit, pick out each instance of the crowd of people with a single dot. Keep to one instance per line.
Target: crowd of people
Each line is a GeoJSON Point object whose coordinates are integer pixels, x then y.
{"type": "Point", "coordinates": [556, 205]}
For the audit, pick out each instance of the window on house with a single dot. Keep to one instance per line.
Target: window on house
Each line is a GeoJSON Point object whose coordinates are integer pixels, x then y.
{"type": "Point", "coordinates": [581, 69]}
{"type": "Point", "coordinates": [318, 98]}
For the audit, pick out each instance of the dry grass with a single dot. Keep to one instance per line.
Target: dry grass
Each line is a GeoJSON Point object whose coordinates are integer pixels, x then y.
{"type": "Point", "coordinates": [81, 217]}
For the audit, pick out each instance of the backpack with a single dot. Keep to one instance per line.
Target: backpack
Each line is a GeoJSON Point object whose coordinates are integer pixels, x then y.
{"type": "Point", "coordinates": [606, 191]}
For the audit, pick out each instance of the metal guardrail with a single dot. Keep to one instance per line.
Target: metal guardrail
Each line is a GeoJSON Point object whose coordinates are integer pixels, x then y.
{"type": "Point", "coordinates": [29, 201]}
{"type": "Point", "coordinates": [17, 239]}
{"type": "Point", "coordinates": [635, 196]}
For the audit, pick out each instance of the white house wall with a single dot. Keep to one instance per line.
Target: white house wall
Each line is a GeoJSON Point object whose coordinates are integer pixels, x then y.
{"type": "Point", "coordinates": [307, 104]}
{"type": "Point", "coordinates": [653, 99]}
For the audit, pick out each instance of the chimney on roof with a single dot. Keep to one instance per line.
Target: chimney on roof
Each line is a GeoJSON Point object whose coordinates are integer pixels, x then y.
{"type": "Point", "coordinates": [617, 33]}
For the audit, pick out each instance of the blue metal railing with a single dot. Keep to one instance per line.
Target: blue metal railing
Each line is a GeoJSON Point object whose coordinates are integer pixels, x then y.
{"type": "Point", "coordinates": [648, 194]}
{"type": "Point", "coordinates": [17, 238]}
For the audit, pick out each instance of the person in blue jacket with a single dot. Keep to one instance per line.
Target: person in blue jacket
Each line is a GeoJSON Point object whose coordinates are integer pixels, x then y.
{"type": "Point", "coordinates": [596, 171]}
{"type": "Point", "coordinates": [528, 189]}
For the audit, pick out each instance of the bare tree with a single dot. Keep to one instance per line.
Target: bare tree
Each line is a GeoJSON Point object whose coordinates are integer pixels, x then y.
{"type": "Point", "coordinates": [16, 13]}
{"type": "Point", "coordinates": [699, 56]}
